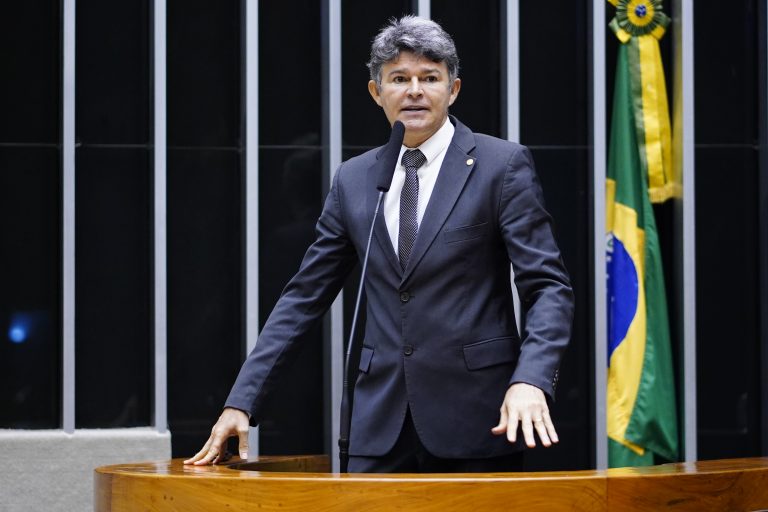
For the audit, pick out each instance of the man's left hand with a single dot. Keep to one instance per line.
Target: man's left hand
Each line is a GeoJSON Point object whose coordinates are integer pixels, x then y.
{"type": "Point", "coordinates": [527, 405]}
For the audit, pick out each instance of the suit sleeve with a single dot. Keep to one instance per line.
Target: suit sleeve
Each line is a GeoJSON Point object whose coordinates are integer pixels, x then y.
{"type": "Point", "coordinates": [542, 281]}
{"type": "Point", "coordinates": [304, 300]}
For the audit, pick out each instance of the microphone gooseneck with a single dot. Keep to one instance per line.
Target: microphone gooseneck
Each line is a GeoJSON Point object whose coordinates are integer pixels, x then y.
{"type": "Point", "coordinates": [388, 162]}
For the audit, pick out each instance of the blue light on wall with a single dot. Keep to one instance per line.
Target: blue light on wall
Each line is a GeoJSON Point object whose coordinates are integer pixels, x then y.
{"type": "Point", "coordinates": [21, 325]}
{"type": "Point", "coordinates": [17, 334]}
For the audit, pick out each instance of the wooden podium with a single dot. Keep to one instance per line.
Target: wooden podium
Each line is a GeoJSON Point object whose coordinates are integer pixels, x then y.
{"type": "Point", "coordinates": [303, 483]}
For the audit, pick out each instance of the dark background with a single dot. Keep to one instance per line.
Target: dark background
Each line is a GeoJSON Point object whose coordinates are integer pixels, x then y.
{"type": "Point", "coordinates": [205, 202]}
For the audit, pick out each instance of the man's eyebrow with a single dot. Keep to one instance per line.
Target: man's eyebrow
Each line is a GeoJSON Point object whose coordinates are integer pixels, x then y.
{"type": "Point", "coordinates": [426, 71]}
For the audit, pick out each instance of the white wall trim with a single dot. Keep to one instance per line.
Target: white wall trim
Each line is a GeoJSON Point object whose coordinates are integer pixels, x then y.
{"type": "Point", "coordinates": [424, 8]}
{"type": "Point", "coordinates": [510, 86]}
{"type": "Point", "coordinates": [334, 160]}
{"type": "Point", "coordinates": [333, 332]}
{"type": "Point", "coordinates": [511, 31]}
{"type": "Point", "coordinates": [598, 165]}
{"type": "Point", "coordinates": [68, 218]}
{"type": "Point", "coordinates": [251, 230]}
{"type": "Point", "coordinates": [160, 216]}
{"type": "Point", "coordinates": [685, 30]}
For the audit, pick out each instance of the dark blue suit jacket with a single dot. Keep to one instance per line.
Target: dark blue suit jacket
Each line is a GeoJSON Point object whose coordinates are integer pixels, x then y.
{"type": "Point", "coordinates": [440, 336]}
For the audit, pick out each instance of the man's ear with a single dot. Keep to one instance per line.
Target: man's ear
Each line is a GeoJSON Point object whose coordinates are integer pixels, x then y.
{"type": "Point", "coordinates": [455, 88]}
{"type": "Point", "coordinates": [373, 89]}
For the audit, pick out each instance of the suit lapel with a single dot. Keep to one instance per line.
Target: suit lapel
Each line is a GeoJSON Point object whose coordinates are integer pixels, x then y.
{"type": "Point", "coordinates": [380, 232]}
{"type": "Point", "coordinates": [456, 168]}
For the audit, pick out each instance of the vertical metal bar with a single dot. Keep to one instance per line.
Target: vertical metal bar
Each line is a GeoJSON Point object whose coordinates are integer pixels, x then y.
{"type": "Point", "coordinates": [251, 56]}
{"type": "Point", "coordinates": [511, 31]}
{"type": "Point", "coordinates": [334, 156]}
{"type": "Point", "coordinates": [424, 8]}
{"type": "Point", "coordinates": [68, 218]}
{"type": "Point", "coordinates": [511, 98]}
{"type": "Point", "coordinates": [598, 164]}
{"type": "Point", "coordinates": [685, 248]}
{"type": "Point", "coordinates": [160, 233]}
{"type": "Point", "coordinates": [685, 30]}
{"type": "Point", "coordinates": [334, 323]}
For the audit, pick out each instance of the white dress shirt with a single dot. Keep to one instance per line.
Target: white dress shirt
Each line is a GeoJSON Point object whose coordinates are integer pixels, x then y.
{"type": "Point", "coordinates": [434, 148]}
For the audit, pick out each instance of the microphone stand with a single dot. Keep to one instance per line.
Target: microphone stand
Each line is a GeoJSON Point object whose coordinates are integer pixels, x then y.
{"type": "Point", "coordinates": [388, 162]}
{"type": "Point", "coordinates": [345, 416]}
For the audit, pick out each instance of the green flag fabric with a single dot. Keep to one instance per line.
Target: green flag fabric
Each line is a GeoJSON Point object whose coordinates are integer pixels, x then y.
{"type": "Point", "coordinates": [642, 412]}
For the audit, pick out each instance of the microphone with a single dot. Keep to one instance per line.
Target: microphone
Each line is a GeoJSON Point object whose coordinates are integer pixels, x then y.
{"type": "Point", "coordinates": [389, 156]}
{"type": "Point", "coordinates": [387, 164]}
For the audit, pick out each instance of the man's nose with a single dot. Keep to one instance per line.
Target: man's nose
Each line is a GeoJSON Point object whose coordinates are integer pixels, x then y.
{"type": "Point", "coordinates": [415, 87]}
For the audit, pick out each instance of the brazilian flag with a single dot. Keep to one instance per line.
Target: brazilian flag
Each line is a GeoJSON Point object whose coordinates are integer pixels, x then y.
{"type": "Point", "coordinates": [642, 421]}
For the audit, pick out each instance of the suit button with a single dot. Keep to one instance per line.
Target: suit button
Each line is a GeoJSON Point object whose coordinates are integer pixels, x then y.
{"type": "Point", "coordinates": [405, 297]}
{"type": "Point", "coordinates": [408, 350]}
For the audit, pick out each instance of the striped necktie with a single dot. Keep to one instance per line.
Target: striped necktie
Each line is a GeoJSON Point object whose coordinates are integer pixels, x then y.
{"type": "Point", "coordinates": [409, 204]}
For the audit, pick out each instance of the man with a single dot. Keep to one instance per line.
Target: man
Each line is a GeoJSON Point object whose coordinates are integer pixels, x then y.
{"type": "Point", "coordinates": [441, 351]}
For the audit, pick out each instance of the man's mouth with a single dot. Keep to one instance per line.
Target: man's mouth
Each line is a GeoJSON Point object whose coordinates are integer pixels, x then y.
{"type": "Point", "coordinates": [414, 108]}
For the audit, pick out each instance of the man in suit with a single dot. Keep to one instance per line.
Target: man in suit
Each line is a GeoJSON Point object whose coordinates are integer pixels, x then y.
{"type": "Point", "coordinates": [445, 379]}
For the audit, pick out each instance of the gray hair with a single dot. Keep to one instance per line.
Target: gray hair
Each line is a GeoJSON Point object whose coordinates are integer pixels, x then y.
{"type": "Point", "coordinates": [417, 35]}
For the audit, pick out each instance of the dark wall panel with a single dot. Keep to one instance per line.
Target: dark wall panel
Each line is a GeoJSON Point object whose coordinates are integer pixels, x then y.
{"type": "Point", "coordinates": [112, 72]}
{"type": "Point", "coordinates": [30, 216]}
{"type": "Point", "coordinates": [288, 213]}
{"type": "Point", "coordinates": [112, 296]}
{"type": "Point", "coordinates": [113, 219]}
{"type": "Point", "coordinates": [204, 73]}
{"type": "Point", "coordinates": [204, 290]}
{"type": "Point", "coordinates": [290, 200]}
{"type": "Point", "coordinates": [205, 205]}
{"type": "Point", "coordinates": [363, 122]}
{"type": "Point", "coordinates": [553, 73]}
{"type": "Point", "coordinates": [30, 100]}
{"type": "Point", "coordinates": [728, 350]}
{"type": "Point", "coordinates": [290, 72]}
{"type": "Point", "coordinates": [727, 262]}
{"type": "Point", "coordinates": [726, 100]}
{"type": "Point", "coordinates": [475, 28]}
{"type": "Point", "coordinates": [553, 120]}
{"type": "Point", "coordinates": [30, 275]}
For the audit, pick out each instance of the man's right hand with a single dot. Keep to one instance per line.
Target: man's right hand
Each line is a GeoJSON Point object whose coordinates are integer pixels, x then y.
{"type": "Point", "coordinates": [232, 422]}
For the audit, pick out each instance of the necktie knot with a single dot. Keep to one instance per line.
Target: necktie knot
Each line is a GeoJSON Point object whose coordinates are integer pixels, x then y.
{"type": "Point", "coordinates": [413, 159]}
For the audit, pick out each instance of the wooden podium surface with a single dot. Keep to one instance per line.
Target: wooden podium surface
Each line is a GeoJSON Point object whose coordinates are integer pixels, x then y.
{"type": "Point", "coordinates": [304, 483]}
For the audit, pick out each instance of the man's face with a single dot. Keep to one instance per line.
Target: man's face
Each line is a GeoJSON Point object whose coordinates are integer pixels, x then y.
{"type": "Point", "coordinates": [416, 91]}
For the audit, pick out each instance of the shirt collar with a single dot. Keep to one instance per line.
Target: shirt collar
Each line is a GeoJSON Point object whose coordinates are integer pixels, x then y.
{"type": "Point", "coordinates": [436, 144]}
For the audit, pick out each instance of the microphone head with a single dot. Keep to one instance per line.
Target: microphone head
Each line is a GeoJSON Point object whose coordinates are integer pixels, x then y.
{"type": "Point", "coordinates": [389, 154]}
{"type": "Point", "coordinates": [397, 135]}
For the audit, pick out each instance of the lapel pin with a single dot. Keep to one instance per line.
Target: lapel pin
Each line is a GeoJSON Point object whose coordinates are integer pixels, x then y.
{"type": "Point", "coordinates": [470, 161]}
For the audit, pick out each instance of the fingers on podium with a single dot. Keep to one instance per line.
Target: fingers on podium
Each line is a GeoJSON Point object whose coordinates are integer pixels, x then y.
{"type": "Point", "coordinates": [527, 428]}
{"type": "Point", "coordinates": [550, 426]}
{"type": "Point", "coordinates": [201, 454]}
{"type": "Point", "coordinates": [242, 435]}
{"type": "Point", "coordinates": [502, 426]}
{"type": "Point", "coordinates": [541, 430]}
